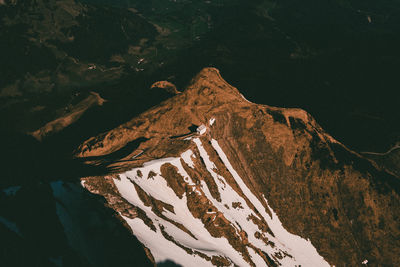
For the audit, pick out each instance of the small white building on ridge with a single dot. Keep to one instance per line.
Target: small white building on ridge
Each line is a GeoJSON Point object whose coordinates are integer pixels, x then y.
{"type": "Point", "coordinates": [201, 129]}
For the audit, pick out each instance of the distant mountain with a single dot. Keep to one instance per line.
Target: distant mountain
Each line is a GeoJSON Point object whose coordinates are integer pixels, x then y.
{"type": "Point", "coordinates": [261, 186]}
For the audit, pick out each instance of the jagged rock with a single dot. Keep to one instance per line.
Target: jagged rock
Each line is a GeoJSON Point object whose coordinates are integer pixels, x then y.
{"type": "Point", "coordinates": [167, 86]}
{"type": "Point", "coordinates": [263, 186]}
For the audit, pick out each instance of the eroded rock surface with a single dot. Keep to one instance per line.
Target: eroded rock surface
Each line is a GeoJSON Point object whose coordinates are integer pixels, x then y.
{"type": "Point", "coordinates": [71, 115]}
{"type": "Point", "coordinates": [264, 186]}
{"type": "Point", "coordinates": [165, 85]}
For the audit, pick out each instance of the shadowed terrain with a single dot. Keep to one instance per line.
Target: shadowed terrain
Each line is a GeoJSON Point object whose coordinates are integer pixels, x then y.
{"type": "Point", "coordinates": [337, 60]}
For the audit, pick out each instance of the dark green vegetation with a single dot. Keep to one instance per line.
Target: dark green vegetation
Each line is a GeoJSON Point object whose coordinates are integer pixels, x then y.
{"type": "Point", "coordinates": [338, 59]}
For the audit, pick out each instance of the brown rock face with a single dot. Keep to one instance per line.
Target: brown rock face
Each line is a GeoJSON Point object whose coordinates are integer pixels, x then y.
{"type": "Point", "coordinates": [389, 160]}
{"type": "Point", "coordinates": [217, 197]}
{"type": "Point", "coordinates": [167, 86]}
{"type": "Point", "coordinates": [68, 118]}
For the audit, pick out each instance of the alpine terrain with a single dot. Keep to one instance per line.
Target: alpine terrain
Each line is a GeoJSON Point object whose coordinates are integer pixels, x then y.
{"type": "Point", "coordinates": [207, 178]}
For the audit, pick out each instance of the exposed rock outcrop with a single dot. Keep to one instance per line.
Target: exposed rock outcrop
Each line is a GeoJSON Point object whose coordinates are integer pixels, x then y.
{"type": "Point", "coordinates": [263, 185]}
{"type": "Point", "coordinates": [389, 160]}
{"type": "Point", "coordinates": [71, 115]}
{"type": "Point", "coordinates": [167, 86]}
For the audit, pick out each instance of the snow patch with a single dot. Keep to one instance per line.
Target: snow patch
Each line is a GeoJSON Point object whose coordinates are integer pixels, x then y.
{"type": "Point", "coordinates": [302, 250]}
{"type": "Point", "coordinates": [161, 248]}
{"type": "Point", "coordinates": [212, 120]}
{"type": "Point", "coordinates": [256, 258]}
{"type": "Point", "coordinates": [229, 195]}
{"type": "Point", "coordinates": [187, 158]}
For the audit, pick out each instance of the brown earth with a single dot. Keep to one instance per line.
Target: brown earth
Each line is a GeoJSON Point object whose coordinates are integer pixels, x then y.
{"type": "Point", "coordinates": [69, 117]}
{"type": "Point", "coordinates": [167, 86]}
{"type": "Point", "coordinates": [344, 203]}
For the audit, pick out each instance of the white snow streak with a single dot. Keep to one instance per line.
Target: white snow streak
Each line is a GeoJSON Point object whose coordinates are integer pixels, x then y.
{"type": "Point", "coordinates": [187, 158]}
{"type": "Point", "coordinates": [161, 248]}
{"type": "Point", "coordinates": [159, 189]}
{"type": "Point", "coordinates": [302, 250]}
{"type": "Point", "coordinates": [212, 120]}
{"type": "Point", "coordinates": [256, 258]}
{"type": "Point", "coordinates": [228, 196]}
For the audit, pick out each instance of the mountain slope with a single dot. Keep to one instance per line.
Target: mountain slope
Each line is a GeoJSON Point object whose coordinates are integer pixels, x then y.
{"type": "Point", "coordinates": [263, 185]}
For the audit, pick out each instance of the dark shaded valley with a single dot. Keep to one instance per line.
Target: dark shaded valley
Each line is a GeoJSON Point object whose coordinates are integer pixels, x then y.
{"type": "Point", "coordinates": [338, 60]}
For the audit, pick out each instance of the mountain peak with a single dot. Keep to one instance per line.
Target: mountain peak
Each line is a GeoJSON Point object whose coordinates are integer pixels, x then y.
{"type": "Point", "coordinates": [219, 180]}
{"type": "Point", "coordinates": [207, 97]}
{"type": "Point", "coordinates": [211, 78]}
{"type": "Point", "coordinates": [208, 94]}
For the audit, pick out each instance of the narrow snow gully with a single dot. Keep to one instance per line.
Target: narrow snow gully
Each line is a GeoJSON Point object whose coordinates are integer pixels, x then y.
{"type": "Point", "coordinates": [193, 221]}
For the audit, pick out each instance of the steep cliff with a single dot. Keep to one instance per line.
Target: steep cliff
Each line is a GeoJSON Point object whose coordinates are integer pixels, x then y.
{"type": "Point", "coordinates": [263, 186]}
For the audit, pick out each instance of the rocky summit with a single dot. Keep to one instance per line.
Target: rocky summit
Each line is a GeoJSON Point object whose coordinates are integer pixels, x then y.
{"type": "Point", "coordinates": [207, 178]}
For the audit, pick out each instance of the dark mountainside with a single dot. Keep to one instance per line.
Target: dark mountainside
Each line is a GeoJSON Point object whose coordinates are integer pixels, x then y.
{"type": "Point", "coordinates": [336, 59]}
{"type": "Point", "coordinates": [73, 69]}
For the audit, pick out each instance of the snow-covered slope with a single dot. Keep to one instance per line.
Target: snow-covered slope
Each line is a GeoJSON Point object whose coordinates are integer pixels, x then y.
{"type": "Point", "coordinates": [255, 186]}
{"type": "Point", "coordinates": [182, 235]}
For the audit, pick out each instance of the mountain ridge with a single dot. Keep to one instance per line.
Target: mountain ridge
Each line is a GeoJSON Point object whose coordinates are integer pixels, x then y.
{"type": "Point", "coordinates": [207, 92]}
{"type": "Point", "coordinates": [173, 177]}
